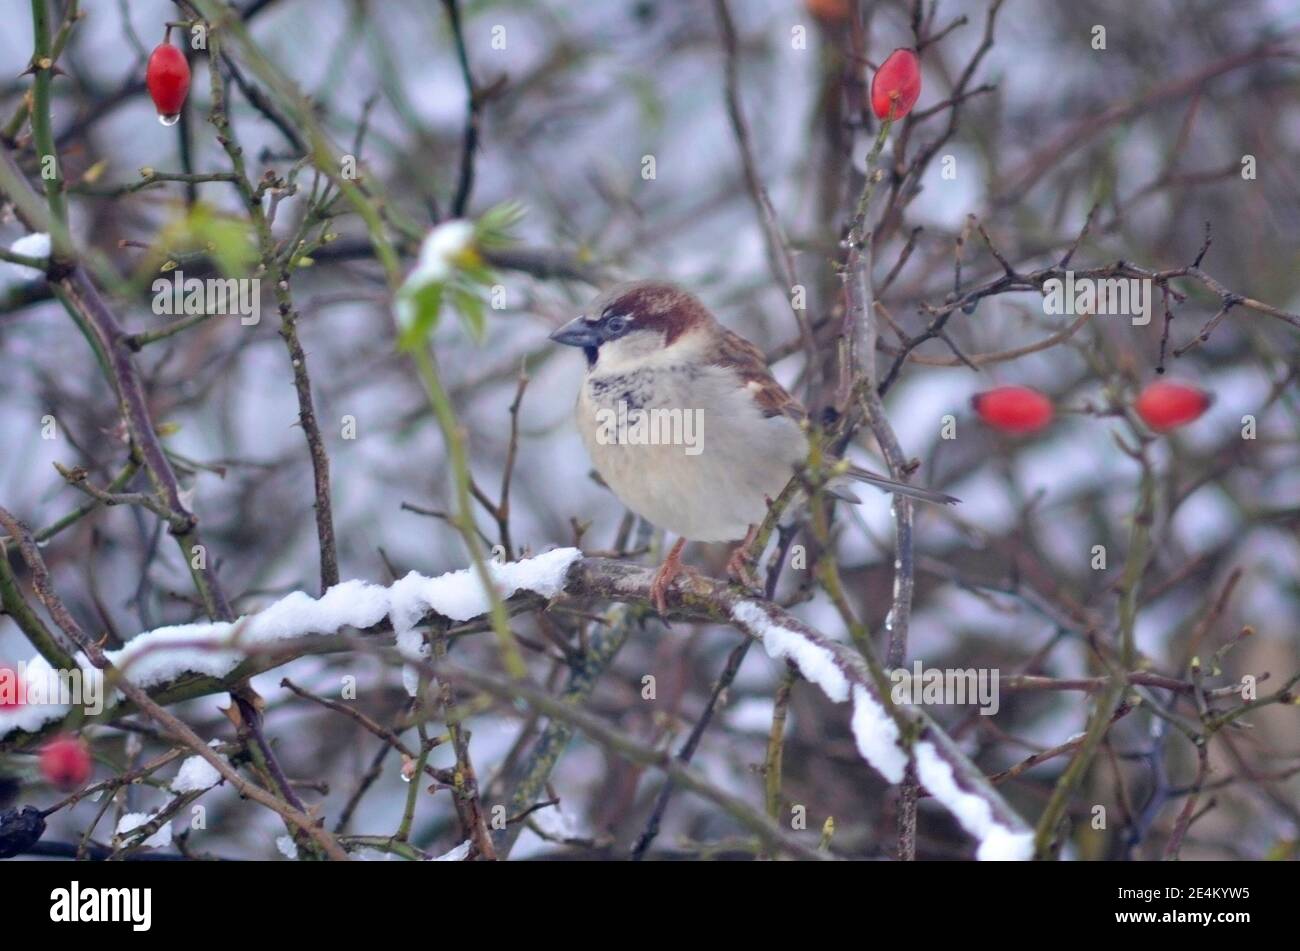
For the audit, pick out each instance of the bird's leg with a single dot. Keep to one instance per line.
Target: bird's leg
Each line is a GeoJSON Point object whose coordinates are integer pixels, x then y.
{"type": "Point", "coordinates": [739, 565]}
{"type": "Point", "coordinates": [665, 576]}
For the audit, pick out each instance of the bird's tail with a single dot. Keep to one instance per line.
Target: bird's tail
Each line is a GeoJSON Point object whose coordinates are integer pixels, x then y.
{"type": "Point", "coordinates": [900, 488]}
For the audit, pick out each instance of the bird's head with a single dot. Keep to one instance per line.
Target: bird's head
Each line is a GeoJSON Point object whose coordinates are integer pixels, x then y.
{"type": "Point", "coordinates": [633, 323]}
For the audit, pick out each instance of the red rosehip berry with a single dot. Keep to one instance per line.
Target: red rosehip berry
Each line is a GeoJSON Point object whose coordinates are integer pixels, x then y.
{"type": "Point", "coordinates": [1013, 409]}
{"type": "Point", "coordinates": [65, 762]}
{"type": "Point", "coordinates": [896, 85]}
{"type": "Point", "coordinates": [1165, 405]}
{"type": "Point", "coordinates": [11, 688]}
{"type": "Point", "coordinates": [168, 79]}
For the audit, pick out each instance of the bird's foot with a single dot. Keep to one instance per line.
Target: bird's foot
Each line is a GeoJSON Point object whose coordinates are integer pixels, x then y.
{"type": "Point", "coordinates": [666, 575]}
{"type": "Point", "coordinates": [740, 565]}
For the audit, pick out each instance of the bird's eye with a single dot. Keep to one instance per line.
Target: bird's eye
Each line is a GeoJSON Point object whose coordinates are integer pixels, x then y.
{"type": "Point", "coordinates": [616, 325]}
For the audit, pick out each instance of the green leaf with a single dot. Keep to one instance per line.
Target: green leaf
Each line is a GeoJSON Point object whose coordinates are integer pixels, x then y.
{"type": "Point", "coordinates": [494, 228]}
{"type": "Point", "coordinates": [470, 308]}
{"type": "Point", "coordinates": [418, 311]}
{"type": "Point", "coordinates": [420, 300]}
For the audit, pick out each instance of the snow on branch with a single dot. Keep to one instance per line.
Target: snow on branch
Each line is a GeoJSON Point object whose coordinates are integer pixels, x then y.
{"type": "Point", "coordinates": [158, 658]}
{"type": "Point", "coordinates": [162, 656]}
{"type": "Point", "coordinates": [951, 779]}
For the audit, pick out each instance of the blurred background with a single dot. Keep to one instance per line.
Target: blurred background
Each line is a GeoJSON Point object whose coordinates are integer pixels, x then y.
{"type": "Point", "coordinates": [1152, 131]}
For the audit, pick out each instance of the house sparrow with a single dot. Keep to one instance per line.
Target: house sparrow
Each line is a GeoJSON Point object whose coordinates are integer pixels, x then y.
{"type": "Point", "coordinates": [685, 422]}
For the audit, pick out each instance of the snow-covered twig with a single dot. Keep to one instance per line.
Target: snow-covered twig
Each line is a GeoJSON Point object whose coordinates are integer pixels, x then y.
{"type": "Point", "coordinates": [836, 668]}
{"type": "Point", "coordinates": [175, 728]}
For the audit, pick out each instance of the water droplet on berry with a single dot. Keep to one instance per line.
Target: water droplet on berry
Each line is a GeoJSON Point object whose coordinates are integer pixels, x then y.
{"type": "Point", "coordinates": [170, 120]}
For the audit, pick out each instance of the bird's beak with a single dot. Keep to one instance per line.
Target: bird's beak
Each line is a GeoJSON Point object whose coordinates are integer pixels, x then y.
{"type": "Point", "coordinates": [579, 332]}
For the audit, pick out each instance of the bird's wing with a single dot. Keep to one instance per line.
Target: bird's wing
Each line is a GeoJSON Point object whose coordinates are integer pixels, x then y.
{"type": "Point", "coordinates": [737, 353]}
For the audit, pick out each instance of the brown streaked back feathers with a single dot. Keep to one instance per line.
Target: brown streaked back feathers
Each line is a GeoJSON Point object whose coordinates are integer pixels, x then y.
{"type": "Point", "coordinates": [739, 354]}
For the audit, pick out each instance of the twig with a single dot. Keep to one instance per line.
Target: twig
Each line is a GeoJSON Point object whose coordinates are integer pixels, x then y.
{"type": "Point", "coordinates": [778, 249]}
{"type": "Point", "coordinates": [170, 724]}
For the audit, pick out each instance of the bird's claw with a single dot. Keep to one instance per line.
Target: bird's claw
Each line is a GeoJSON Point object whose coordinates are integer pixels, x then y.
{"type": "Point", "coordinates": [666, 575]}
{"type": "Point", "coordinates": [664, 578]}
{"type": "Point", "coordinates": [740, 566]}
{"type": "Point", "coordinates": [659, 587]}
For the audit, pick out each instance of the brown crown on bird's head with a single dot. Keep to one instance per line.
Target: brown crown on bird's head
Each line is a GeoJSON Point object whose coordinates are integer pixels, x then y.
{"type": "Point", "coordinates": [640, 315]}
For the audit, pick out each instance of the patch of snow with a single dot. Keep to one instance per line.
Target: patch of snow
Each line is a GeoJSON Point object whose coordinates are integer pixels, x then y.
{"type": "Point", "coordinates": [558, 824]}
{"type": "Point", "coordinates": [31, 716]}
{"type": "Point", "coordinates": [460, 595]}
{"type": "Point", "coordinates": [439, 250]}
{"type": "Point", "coordinates": [814, 661]}
{"type": "Point", "coordinates": [997, 842]}
{"type": "Point", "coordinates": [31, 246]}
{"type": "Point", "coordinates": [348, 604]}
{"type": "Point", "coordinates": [455, 855]}
{"type": "Point", "coordinates": [437, 261]}
{"type": "Point", "coordinates": [165, 653]}
{"type": "Point", "coordinates": [196, 774]}
{"type": "Point", "coordinates": [876, 735]}
{"type": "Point", "coordinates": [1004, 845]}
{"type": "Point", "coordinates": [287, 847]}
{"type": "Point", "coordinates": [161, 839]}
{"type": "Point", "coordinates": [216, 648]}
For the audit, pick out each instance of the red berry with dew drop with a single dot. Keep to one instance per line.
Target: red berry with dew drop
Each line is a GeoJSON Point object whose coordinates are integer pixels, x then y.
{"type": "Point", "coordinates": [66, 763]}
{"type": "Point", "coordinates": [1166, 404]}
{"type": "Point", "coordinates": [168, 79]}
{"type": "Point", "coordinates": [896, 85]}
{"type": "Point", "coordinates": [1013, 409]}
